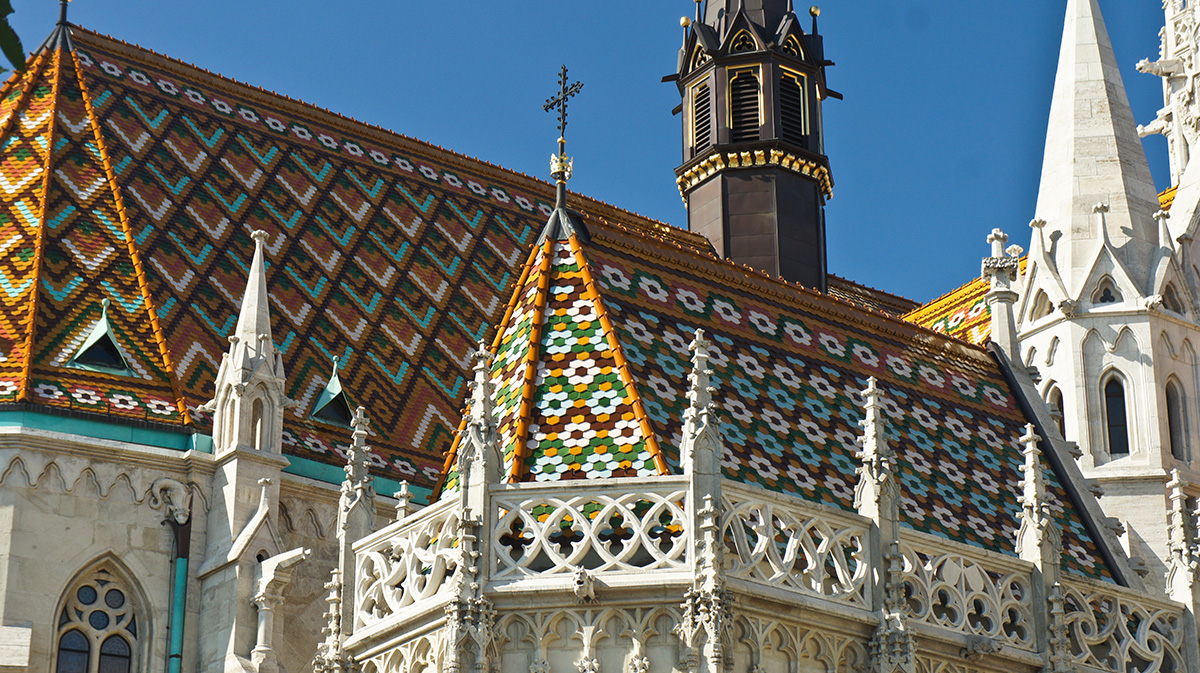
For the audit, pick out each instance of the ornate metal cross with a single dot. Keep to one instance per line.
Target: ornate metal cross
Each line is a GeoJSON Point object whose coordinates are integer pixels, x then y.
{"type": "Point", "coordinates": [565, 92]}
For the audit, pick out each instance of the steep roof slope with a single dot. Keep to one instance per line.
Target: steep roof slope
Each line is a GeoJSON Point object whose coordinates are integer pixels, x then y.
{"type": "Point", "coordinates": [789, 365]}
{"type": "Point", "coordinates": [391, 254]}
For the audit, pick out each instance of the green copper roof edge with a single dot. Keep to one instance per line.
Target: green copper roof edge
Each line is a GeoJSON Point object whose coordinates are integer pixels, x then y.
{"type": "Point", "coordinates": [329, 393]}
{"type": "Point", "coordinates": [334, 474]}
{"type": "Point", "coordinates": [97, 429]}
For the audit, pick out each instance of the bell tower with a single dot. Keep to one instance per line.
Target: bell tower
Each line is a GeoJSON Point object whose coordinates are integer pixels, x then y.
{"type": "Point", "coordinates": [755, 177]}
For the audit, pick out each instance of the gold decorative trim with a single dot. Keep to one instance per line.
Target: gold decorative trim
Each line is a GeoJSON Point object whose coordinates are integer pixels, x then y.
{"type": "Point", "coordinates": [719, 161]}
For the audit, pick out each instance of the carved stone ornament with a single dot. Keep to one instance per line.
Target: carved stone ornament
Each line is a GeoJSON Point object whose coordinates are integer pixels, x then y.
{"type": "Point", "coordinates": [584, 585]}
{"type": "Point", "coordinates": [173, 497]}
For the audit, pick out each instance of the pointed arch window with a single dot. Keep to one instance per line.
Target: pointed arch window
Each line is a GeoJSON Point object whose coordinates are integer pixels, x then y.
{"type": "Point", "coordinates": [745, 116]}
{"type": "Point", "coordinates": [97, 625]}
{"type": "Point", "coordinates": [1054, 400]}
{"type": "Point", "coordinates": [1041, 306]}
{"type": "Point", "coordinates": [793, 107]}
{"type": "Point", "coordinates": [1176, 421]}
{"type": "Point", "coordinates": [1171, 300]}
{"type": "Point", "coordinates": [258, 424]}
{"type": "Point", "coordinates": [1116, 417]}
{"type": "Point", "coordinates": [701, 117]}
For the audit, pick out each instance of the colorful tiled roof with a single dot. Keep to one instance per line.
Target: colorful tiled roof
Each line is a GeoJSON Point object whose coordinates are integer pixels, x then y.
{"type": "Point", "coordinates": [789, 365]}
{"type": "Point", "coordinates": [869, 297]}
{"type": "Point", "coordinates": [962, 314]}
{"type": "Point", "coordinates": [133, 177]}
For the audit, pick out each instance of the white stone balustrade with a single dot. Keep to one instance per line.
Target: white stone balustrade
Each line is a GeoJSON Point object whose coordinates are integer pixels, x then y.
{"type": "Point", "coordinates": [410, 561]}
{"type": "Point", "coordinates": [545, 529]}
{"type": "Point", "coordinates": [1116, 630]}
{"type": "Point", "coordinates": [788, 543]}
{"type": "Point", "coordinates": [969, 591]}
{"type": "Point", "coordinates": [633, 539]}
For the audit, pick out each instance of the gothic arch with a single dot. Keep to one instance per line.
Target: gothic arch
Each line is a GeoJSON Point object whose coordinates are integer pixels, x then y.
{"type": "Point", "coordinates": [105, 605]}
{"type": "Point", "coordinates": [1117, 413]}
{"type": "Point", "coordinates": [1176, 403]}
{"type": "Point", "coordinates": [1040, 307]}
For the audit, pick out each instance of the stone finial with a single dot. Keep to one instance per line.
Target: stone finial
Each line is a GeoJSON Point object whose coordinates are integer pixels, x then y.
{"type": "Point", "coordinates": [330, 657]}
{"type": "Point", "coordinates": [997, 239]}
{"type": "Point", "coordinates": [702, 446]}
{"type": "Point", "coordinates": [403, 498]}
{"type": "Point", "coordinates": [479, 458]}
{"type": "Point", "coordinates": [1101, 209]}
{"type": "Point", "coordinates": [1058, 643]}
{"type": "Point", "coordinates": [876, 494]}
{"type": "Point", "coordinates": [1039, 539]}
{"type": "Point", "coordinates": [481, 386]}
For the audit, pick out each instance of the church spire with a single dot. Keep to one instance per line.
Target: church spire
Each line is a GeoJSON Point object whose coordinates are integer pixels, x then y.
{"type": "Point", "coordinates": [254, 320]}
{"type": "Point", "coordinates": [1093, 155]}
{"type": "Point", "coordinates": [755, 177]}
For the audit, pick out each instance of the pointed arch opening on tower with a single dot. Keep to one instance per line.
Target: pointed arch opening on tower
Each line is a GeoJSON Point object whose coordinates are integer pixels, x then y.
{"type": "Point", "coordinates": [701, 117]}
{"type": "Point", "coordinates": [1041, 306]}
{"type": "Point", "coordinates": [1172, 301]}
{"type": "Point", "coordinates": [1054, 401]}
{"type": "Point", "coordinates": [1116, 414]}
{"type": "Point", "coordinates": [101, 623]}
{"type": "Point", "coordinates": [1177, 421]}
{"type": "Point", "coordinates": [793, 107]}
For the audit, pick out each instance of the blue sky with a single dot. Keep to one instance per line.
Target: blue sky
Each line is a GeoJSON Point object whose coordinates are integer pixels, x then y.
{"type": "Point", "coordinates": [938, 140]}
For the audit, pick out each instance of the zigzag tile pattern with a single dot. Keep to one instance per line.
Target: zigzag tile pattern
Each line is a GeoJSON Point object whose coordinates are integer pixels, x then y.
{"type": "Point", "coordinates": [87, 258]}
{"type": "Point", "coordinates": [394, 265]}
{"type": "Point", "coordinates": [26, 119]}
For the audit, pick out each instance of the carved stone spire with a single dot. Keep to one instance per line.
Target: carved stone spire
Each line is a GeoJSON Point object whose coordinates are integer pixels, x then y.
{"type": "Point", "coordinates": [876, 496]}
{"type": "Point", "coordinates": [480, 461]}
{"type": "Point", "coordinates": [250, 400]}
{"type": "Point", "coordinates": [702, 448]}
{"type": "Point", "coordinates": [1039, 539]}
{"type": "Point", "coordinates": [1093, 154]}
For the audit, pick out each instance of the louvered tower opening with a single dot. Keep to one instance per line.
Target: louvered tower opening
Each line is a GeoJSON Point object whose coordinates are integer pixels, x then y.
{"type": "Point", "coordinates": [793, 112]}
{"type": "Point", "coordinates": [701, 118]}
{"type": "Point", "coordinates": [743, 106]}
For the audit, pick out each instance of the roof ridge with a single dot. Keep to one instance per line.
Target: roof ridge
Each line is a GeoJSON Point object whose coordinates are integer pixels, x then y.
{"type": "Point", "coordinates": [524, 410]}
{"type": "Point", "coordinates": [131, 245]}
{"type": "Point", "coordinates": [340, 118]}
{"type": "Point", "coordinates": [871, 288]}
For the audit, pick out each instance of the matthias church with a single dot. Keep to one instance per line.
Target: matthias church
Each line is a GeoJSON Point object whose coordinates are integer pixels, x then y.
{"type": "Point", "coordinates": [285, 391]}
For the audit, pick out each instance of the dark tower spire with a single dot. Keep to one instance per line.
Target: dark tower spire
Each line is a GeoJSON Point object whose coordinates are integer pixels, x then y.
{"type": "Point", "coordinates": [754, 176]}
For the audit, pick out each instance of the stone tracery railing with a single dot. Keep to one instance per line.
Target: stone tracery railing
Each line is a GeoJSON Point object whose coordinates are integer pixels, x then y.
{"type": "Point", "coordinates": [989, 596]}
{"type": "Point", "coordinates": [788, 543]}
{"type": "Point", "coordinates": [1117, 630]}
{"type": "Point", "coordinates": [407, 565]}
{"type": "Point", "coordinates": [554, 528]}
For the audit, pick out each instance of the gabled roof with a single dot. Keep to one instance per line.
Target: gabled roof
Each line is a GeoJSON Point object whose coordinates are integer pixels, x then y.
{"type": "Point", "coordinates": [788, 365]}
{"type": "Point", "coordinates": [390, 253]}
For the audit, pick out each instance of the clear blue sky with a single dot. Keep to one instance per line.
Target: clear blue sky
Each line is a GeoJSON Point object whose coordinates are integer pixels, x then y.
{"type": "Point", "coordinates": [938, 141]}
